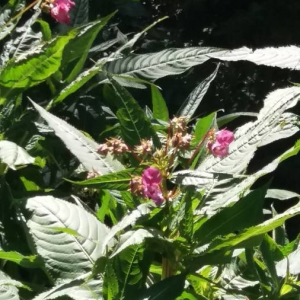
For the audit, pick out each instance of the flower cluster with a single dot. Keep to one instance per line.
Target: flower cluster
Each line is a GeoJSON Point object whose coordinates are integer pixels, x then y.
{"type": "Point", "coordinates": [180, 138]}
{"type": "Point", "coordinates": [149, 185]}
{"type": "Point", "coordinates": [114, 146]}
{"type": "Point", "coordinates": [218, 145]}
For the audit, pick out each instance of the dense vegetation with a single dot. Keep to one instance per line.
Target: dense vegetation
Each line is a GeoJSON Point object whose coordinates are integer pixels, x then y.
{"type": "Point", "coordinates": [149, 150]}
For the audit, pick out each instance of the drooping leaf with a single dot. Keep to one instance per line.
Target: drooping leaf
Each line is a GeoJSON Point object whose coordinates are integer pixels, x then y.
{"type": "Point", "coordinates": [82, 147]}
{"type": "Point", "coordinates": [230, 117]}
{"type": "Point", "coordinates": [33, 67]}
{"type": "Point", "coordinates": [84, 249]}
{"type": "Point", "coordinates": [13, 155]}
{"type": "Point", "coordinates": [190, 105]}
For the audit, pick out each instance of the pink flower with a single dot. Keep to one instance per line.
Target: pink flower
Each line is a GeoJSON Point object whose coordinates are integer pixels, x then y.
{"type": "Point", "coordinates": [151, 179]}
{"type": "Point", "coordinates": [224, 137]}
{"type": "Point", "coordinates": [60, 10]}
{"type": "Point", "coordinates": [219, 147]}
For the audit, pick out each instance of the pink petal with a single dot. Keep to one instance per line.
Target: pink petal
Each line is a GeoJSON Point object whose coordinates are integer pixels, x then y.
{"type": "Point", "coordinates": [151, 176]}
{"type": "Point", "coordinates": [224, 136]}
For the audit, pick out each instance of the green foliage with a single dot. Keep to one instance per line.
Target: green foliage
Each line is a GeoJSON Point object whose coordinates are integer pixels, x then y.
{"type": "Point", "coordinates": [80, 216]}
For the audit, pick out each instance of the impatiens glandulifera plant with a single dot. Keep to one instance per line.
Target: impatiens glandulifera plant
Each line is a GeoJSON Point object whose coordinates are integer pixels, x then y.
{"type": "Point", "coordinates": [135, 206]}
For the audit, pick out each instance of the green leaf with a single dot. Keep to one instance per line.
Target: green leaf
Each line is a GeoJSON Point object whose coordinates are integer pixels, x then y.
{"type": "Point", "coordinates": [80, 13]}
{"type": "Point", "coordinates": [240, 240]}
{"type": "Point", "coordinates": [233, 218]}
{"type": "Point", "coordinates": [187, 223]}
{"type": "Point", "coordinates": [46, 30]}
{"type": "Point", "coordinates": [9, 287]}
{"type": "Point", "coordinates": [24, 261]}
{"type": "Point", "coordinates": [203, 125]}
{"type": "Point", "coordinates": [134, 124]}
{"type": "Point", "coordinates": [51, 243]}
{"type": "Point", "coordinates": [231, 117]}
{"type": "Point", "coordinates": [289, 265]}
{"type": "Point", "coordinates": [167, 289]}
{"type": "Point", "coordinates": [113, 181]}
{"type": "Point", "coordinates": [13, 155]}
{"type": "Point", "coordinates": [160, 109]}
{"type": "Point", "coordinates": [281, 194]}
{"type": "Point", "coordinates": [76, 84]}
{"type": "Point", "coordinates": [77, 289]}
{"type": "Point", "coordinates": [111, 280]}
{"type": "Point", "coordinates": [271, 253]}
{"type": "Point", "coordinates": [190, 105]}
{"type": "Point", "coordinates": [82, 147]}
{"type": "Point", "coordinates": [6, 13]}
{"type": "Point", "coordinates": [156, 65]}
{"type": "Point", "coordinates": [103, 211]}
{"type": "Point", "coordinates": [34, 66]}
{"type": "Point", "coordinates": [77, 50]}
{"type": "Point", "coordinates": [135, 238]}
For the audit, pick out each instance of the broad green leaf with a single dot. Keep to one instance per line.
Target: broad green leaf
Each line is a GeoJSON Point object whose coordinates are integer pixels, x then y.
{"type": "Point", "coordinates": [233, 218]}
{"type": "Point", "coordinates": [46, 30]}
{"type": "Point", "coordinates": [190, 105]}
{"type": "Point", "coordinates": [84, 249]}
{"type": "Point", "coordinates": [82, 147]}
{"type": "Point", "coordinates": [160, 109]}
{"type": "Point", "coordinates": [168, 289]}
{"type": "Point", "coordinates": [113, 181]}
{"type": "Point", "coordinates": [13, 155]}
{"type": "Point", "coordinates": [156, 65]}
{"type": "Point", "coordinates": [33, 67]}
{"type": "Point", "coordinates": [9, 287]}
{"type": "Point", "coordinates": [238, 240]}
{"type": "Point", "coordinates": [134, 124]}
{"type": "Point", "coordinates": [24, 261]}
{"type": "Point", "coordinates": [78, 289]}
{"type": "Point", "coordinates": [79, 47]}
